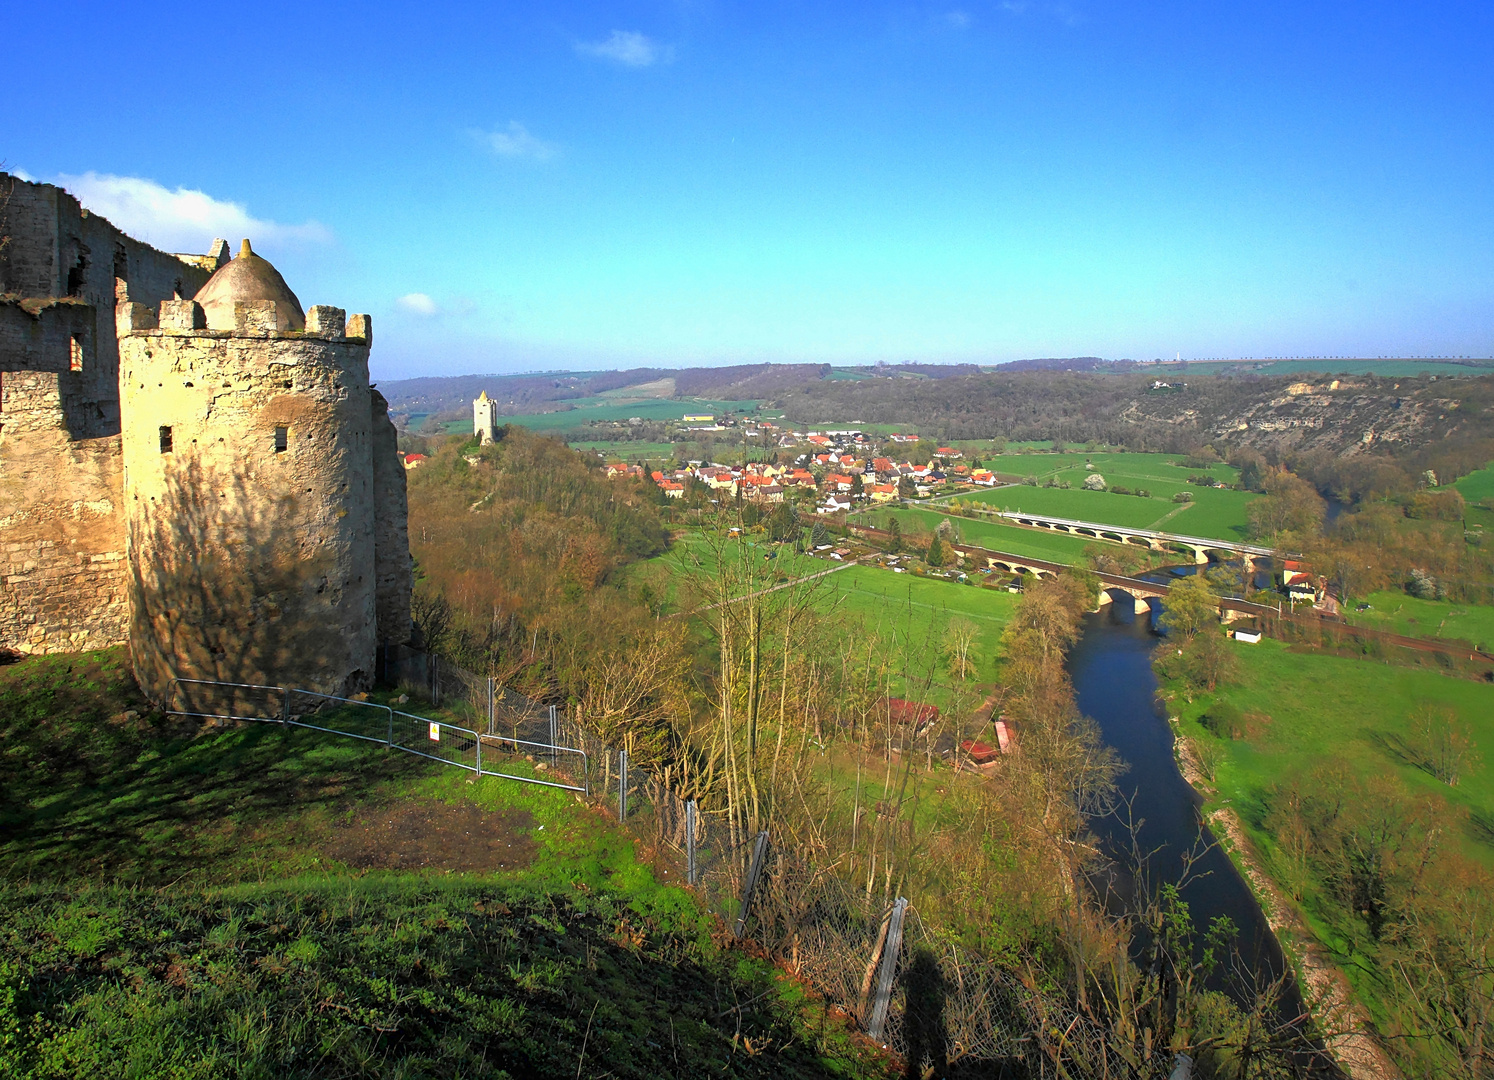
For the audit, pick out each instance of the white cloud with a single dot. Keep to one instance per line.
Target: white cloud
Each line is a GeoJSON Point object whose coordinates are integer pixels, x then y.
{"type": "Point", "coordinates": [180, 220]}
{"type": "Point", "coordinates": [515, 141]}
{"type": "Point", "coordinates": [417, 303]}
{"type": "Point", "coordinates": [960, 20]}
{"type": "Point", "coordinates": [629, 48]}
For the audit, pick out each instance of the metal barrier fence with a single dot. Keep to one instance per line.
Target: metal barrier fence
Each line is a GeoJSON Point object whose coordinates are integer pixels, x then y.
{"type": "Point", "coordinates": [369, 721]}
{"type": "Point", "coordinates": [850, 944]}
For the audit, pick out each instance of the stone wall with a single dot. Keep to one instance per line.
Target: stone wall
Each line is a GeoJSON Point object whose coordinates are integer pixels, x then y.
{"type": "Point", "coordinates": [249, 494]}
{"type": "Point", "coordinates": [393, 567]}
{"type": "Point", "coordinates": [62, 535]}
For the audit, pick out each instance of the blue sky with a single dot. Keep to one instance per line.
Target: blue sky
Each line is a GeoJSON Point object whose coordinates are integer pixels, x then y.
{"type": "Point", "coordinates": [511, 187]}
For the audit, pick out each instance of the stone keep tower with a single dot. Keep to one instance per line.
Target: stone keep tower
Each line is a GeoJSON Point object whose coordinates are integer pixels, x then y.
{"type": "Point", "coordinates": [485, 418]}
{"type": "Point", "coordinates": [266, 540]}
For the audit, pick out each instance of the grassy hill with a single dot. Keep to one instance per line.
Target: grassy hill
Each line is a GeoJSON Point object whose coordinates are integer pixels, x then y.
{"type": "Point", "coordinates": [256, 901]}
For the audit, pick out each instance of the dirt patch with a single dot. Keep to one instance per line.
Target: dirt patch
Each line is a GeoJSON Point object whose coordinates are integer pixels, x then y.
{"type": "Point", "coordinates": [435, 836]}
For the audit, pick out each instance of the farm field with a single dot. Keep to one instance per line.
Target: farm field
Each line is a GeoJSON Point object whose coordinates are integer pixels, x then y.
{"type": "Point", "coordinates": [1348, 710]}
{"type": "Point", "coordinates": [1400, 613]}
{"type": "Point", "coordinates": [1214, 512]}
{"type": "Point", "coordinates": [628, 451]}
{"type": "Point", "coordinates": [918, 610]}
{"type": "Point", "coordinates": [1477, 486]}
{"type": "Point", "coordinates": [612, 410]}
{"type": "Point", "coordinates": [1033, 543]}
{"type": "Point", "coordinates": [1477, 489]}
{"type": "Point", "coordinates": [1384, 368]}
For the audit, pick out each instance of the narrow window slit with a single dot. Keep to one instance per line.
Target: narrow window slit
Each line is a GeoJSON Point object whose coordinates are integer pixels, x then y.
{"type": "Point", "coordinates": [165, 439]}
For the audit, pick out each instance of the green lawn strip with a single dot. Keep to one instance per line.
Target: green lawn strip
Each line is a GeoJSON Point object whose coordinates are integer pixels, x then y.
{"type": "Point", "coordinates": [1477, 486]}
{"type": "Point", "coordinates": [393, 976]}
{"type": "Point", "coordinates": [916, 612]}
{"type": "Point", "coordinates": [602, 409]}
{"type": "Point", "coordinates": [1147, 470]}
{"type": "Point", "coordinates": [1033, 543]}
{"type": "Point", "coordinates": [628, 451]}
{"type": "Point", "coordinates": [1400, 613]}
{"type": "Point", "coordinates": [1079, 505]}
{"type": "Point", "coordinates": [1325, 708]}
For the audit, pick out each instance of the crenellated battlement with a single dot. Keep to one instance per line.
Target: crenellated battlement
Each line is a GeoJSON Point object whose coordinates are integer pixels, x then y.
{"type": "Point", "coordinates": [261, 319]}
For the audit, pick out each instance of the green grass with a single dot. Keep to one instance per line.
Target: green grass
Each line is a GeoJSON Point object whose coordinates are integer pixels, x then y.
{"type": "Point", "coordinates": [1395, 611]}
{"type": "Point", "coordinates": [606, 409]}
{"type": "Point", "coordinates": [1331, 708]}
{"type": "Point", "coordinates": [173, 904]}
{"type": "Point", "coordinates": [628, 451]}
{"type": "Point", "coordinates": [920, 609]}
{"type": "Point", "coordinates": [1477, 486]}
{"type": "Point", "coordinates": [1326, 710]}
{"type": "Point", "coordinates": [1214, 512]}
{"type": "Point", "coordinates": [391, 978]}
{"type": "Point", "coordinates": [1032, 543]}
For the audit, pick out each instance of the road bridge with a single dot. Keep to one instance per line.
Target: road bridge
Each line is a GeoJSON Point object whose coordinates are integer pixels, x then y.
{"type": "Point", "coordinates": [1199, 547]}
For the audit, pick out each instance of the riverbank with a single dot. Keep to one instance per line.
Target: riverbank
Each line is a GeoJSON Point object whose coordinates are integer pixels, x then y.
{"type": "Point", "coordinates": [1347, 1028]}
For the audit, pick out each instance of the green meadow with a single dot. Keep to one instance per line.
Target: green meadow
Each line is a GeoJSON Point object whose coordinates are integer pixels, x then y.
{"type": "Point", "coordinates": [1352, 711]}
{"type": "Point", "coordinates": [1214, 512]}
{"type": "Point", "coordinates": [918, 611]}
{"type": "Point", "coordinates": [611, 410]}
{"type": "Point", "coordinates": [629, 452]}
{"type": "Point", "coordinates": [1307, 710]}
{"type": "Point", "coordinates": [1032, 543]}
{"type": "Point", "coordinates": [1400, 613]}
{"type": "Point", "coordinates": [263, 901]}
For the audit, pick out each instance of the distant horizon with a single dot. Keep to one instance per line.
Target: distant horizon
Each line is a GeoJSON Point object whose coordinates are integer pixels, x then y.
{"type": "Point", "coordinates": [537, 372]}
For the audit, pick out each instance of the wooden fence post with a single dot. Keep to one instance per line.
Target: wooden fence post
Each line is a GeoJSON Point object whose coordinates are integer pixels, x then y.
{"type": "Point", "coordinates": [759, 849]}
{"type": "Point", "coordinates": [889, 965]}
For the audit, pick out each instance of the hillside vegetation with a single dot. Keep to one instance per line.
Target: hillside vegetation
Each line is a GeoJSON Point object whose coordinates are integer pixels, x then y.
{"type": "Point", "coordinates": [262, 902]}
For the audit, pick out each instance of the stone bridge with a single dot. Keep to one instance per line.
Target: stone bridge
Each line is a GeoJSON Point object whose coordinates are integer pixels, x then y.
{"type": "Point", "coordinates": [1112, 586]}
{"type": "Point", "coordinates": [1198, 546]}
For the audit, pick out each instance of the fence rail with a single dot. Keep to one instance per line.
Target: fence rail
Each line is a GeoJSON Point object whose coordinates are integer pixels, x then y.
{"type": "Point", "coordinates": [760, 893]}
{"type": "Point", "coordinates": [369, 721]}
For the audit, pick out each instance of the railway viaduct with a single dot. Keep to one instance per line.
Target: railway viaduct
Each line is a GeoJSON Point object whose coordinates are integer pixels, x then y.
{"type": "Point", "coordinates": [1199, 547]}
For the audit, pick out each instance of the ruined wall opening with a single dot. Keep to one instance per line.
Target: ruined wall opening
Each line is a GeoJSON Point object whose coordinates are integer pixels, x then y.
{"type": "Point", "coordinates": [75, 353]}
{"type": "Point", "coordinates": [121, 274]}
{"type": "Point", "coordinates": [77, 273]}
{"type": "Point", "coordinates": [282, 439]}
{"type": "Point", "coordinates": [165, 439]}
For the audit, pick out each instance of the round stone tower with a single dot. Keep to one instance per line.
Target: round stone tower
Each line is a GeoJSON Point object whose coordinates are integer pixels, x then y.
{"type": "Point", "coordinates": [249, 488]}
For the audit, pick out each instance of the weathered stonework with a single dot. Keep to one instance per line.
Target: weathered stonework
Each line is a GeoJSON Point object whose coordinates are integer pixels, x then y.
{"type": "Point", "coordinates": [228, 500]}
{"type": "Point", "coordinates": [62, 540]}
{"type": "Point", "coordinates": [249, 494]}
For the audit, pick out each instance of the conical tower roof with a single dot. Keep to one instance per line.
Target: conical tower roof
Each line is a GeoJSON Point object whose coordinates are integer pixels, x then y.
{"type": "Point", "coordinates": [245, 278]}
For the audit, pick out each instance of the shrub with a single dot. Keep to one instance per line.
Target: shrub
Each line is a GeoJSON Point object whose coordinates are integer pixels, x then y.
{"type": "Point", "coordinates": [1095, 482]}
{"type": "Point", "coordinates": [1224, 720]}
{"type": "Point", "coordinates": [1121, 490]}
{"type": "Point", "coordinates": [1183, 497]}
{"type": "Point", "coordinates": [1144, 493]}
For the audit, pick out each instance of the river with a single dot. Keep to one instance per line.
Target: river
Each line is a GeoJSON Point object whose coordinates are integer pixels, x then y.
{"type": "Point", "coordinates": [1114, 684]}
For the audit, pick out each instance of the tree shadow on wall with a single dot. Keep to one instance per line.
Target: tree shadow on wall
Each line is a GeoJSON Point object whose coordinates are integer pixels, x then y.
{"type": "Point", "coordinates": [226, 586]}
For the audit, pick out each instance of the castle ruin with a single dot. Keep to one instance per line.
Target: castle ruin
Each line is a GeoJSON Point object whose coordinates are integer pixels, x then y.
{"type": "Point", "coordinates": [189, 462]}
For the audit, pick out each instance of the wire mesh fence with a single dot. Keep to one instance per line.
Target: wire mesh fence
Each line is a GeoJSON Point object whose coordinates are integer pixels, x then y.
{"type": "Point", "coordinates": [873, 956]}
